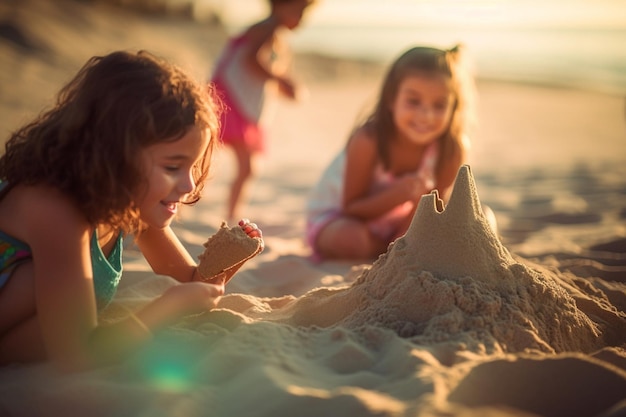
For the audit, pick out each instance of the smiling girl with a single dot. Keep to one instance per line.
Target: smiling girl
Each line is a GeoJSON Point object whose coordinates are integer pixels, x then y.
{"type": "Point", "coordinates": [128, 142]}
{"type": "Point", "coordinates": [412, 143]}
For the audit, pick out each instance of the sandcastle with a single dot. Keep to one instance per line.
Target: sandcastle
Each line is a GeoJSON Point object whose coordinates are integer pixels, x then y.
{"type": "Point", "coordinates": [450, 280]}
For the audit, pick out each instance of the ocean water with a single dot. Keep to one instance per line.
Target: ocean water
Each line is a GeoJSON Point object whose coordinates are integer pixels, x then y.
{"type": "Point", "coordinates": [570, 43]}
{"type": "Point", "coordinates": [587, 58]}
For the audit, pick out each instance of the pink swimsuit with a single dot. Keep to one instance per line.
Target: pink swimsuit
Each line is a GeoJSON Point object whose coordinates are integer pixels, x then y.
{"type": "Point", "coordinates": [324, 203]}
{"type": "Point", "coordinates": [243, 95]}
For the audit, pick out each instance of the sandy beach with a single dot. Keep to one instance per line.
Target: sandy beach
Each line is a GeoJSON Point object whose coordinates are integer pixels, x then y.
{"type": "Point", "coordinates": [453, 320]}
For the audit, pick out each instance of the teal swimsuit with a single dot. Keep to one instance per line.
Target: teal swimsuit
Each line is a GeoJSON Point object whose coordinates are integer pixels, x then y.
{"type": "Point", "coordinates": [12, 253]}
{"type": "Point", "coordinates": [106, 271]}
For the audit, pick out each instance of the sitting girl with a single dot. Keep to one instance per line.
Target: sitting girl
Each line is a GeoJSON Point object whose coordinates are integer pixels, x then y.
{"type": "Point", "coordinates": [413, 142]}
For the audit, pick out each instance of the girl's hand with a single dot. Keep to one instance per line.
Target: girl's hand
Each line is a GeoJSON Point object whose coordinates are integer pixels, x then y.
{"type": "Point", "coordinates": [287, 88]}
{"type": "Point", "coordinates": [428, 183]}
{"type": "Point", "coordinates": [413, 186]}
{"type": "Point", "coordinates": [251, 229]}
{"type": "Point", "coordinates": [192, 297]}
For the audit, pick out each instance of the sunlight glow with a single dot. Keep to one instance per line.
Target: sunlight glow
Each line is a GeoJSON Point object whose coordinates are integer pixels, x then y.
{"type": "Point", "coordinates": [572, 13]}
{"type": "Point", "coordinates": [476, 12]}
{"type": "Point", "coordinates": [168, 365]}
{"type": "Point", "coordinates": [169, 376]}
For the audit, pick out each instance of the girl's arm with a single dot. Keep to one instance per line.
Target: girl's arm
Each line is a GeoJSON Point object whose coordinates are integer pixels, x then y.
{"type": "Point", "coordinates": [261, 38]}
{"type": "Point", "coordinates": [166, 254]}
{"type": "Point", "coordinates": [59, 238]}
{"type": "Point", "coordinates": [65, 305]}
{"type": "Point", "coordinates": [361, 162]}
{"type": "Point", "coordinates": [114, 342]}
{"type": "Point", "coordinates": [64, 292]}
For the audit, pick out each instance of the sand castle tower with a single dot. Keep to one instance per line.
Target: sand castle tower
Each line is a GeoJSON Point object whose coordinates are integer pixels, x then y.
{"type": "Point", "coordinates": [449, 279]}
{"type": "Point", "coordinates": [457, 241]}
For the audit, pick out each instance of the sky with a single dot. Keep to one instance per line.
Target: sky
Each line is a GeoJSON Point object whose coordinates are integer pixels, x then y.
{"type": "Point", "coordinates": [568, 13]}
{"type": "Point", "coordinates": [573, 42]}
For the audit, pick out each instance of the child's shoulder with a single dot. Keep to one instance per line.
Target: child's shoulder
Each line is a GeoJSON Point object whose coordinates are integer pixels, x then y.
{"type": "Point", "coordinates": [363, 136]}
{"type": "Point", "coordinates": [260, 31]}
{"type": "Point", "coordinates": [42, 198]}
{"type": "Point", "coordinates": [362, 144]}
{"type": "Point", "coordinates": [39, 207]}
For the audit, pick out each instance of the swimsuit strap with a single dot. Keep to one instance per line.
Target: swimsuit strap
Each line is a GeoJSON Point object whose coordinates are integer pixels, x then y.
{"type": "Point", "coordinates": [429, 160]}
{"type": "Point", "coordinates": [228, 54]}
{"type": "Point", "coordinates": [5, 187]}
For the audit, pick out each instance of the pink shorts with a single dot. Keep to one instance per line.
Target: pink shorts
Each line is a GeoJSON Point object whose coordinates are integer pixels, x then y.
{"type": "Point", "coordinates": [236, 128]}
{"type": "Point", "coordinates": [313, 229]}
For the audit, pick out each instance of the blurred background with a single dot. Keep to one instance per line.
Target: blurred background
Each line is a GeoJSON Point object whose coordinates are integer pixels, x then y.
{"type": "Point", "coordinates": [551, 137]}
{"type": "Point", "coordinates": [573, 43]}
{"type": "Point", "coordinates": [568, 44]}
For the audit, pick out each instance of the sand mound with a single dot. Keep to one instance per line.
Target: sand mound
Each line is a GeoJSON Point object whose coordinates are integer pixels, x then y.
{"type": "Point", "coordinates": [506, 382]}
{"type": "Point", "coordinates": [449, 281]}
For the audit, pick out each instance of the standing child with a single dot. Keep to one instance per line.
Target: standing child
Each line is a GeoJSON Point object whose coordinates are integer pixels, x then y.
{"type": "Point", "coordinates": [252, 68]}
{"type": "Point", "coordinates": [413, 142]}
{"type": "Point", "coordinates": [129, 141]}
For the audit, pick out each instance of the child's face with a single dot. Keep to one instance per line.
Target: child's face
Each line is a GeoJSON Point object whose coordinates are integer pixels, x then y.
{"type": "Point", "coordinates": [422, 108]}
{"type": "Point", "coordinates": [168, 169]}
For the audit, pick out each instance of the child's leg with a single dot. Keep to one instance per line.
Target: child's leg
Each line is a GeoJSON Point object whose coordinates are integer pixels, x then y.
{"type": "Point", "coordinates": [23, 343]}
{"type": "Point", "coordinates": [347, 238]}
{"type": "Point", "coordinates": [245, 171]}
{"type": "Point", "coordinates": [20, 334]}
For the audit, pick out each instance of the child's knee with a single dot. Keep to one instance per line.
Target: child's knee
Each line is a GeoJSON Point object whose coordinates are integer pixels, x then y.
{"type": "Point", "coordinates": [346, 240]}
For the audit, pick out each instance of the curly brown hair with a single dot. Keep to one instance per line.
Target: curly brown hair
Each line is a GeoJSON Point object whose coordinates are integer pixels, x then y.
{"type": "Point", "coordinates": [88, 145]}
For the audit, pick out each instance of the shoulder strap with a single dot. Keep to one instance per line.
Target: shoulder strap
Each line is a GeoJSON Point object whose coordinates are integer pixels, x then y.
{"type": "Point", "coordinates": [228, 53]}
{"type": "Point", "coordinates": [5, 187]}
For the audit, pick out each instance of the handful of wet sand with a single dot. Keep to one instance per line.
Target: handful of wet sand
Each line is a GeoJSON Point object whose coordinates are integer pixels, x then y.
{"type": "Point", "coordinates": [227, 249]}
